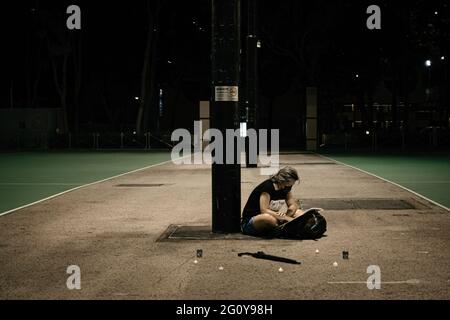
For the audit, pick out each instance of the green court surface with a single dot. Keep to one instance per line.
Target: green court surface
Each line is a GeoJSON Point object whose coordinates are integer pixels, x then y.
{"type": "Point", "coordinates": [28, 177]}
{"type": "Point", "coordinates": [424, 173]}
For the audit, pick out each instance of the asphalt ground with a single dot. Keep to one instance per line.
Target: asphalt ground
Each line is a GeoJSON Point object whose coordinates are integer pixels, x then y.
{"type": "Point", "coordinates": [112, 233]}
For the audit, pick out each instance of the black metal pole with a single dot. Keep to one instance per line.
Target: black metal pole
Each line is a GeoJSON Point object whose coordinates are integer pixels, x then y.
{"type": "Point", "coordinates": [251, 73]}
{"type": "Point", "coordinates": [226, 178]}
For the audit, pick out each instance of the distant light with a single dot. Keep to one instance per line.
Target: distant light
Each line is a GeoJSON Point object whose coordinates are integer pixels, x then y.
{"type": "Point", "coordinates": [258, 44]}
{"type": "Point", "coordinates": [169, 62]}
{"type": "Point", "coordinates": [136, 98]}
{"type": "Point", "coordinates": [436, 13]}
{"type": "Point", "coordinates": [357, 76]}
{"type": "Point", "coordinates": [442, 58]}
{"type": "Point", "coordinates": [428, 63]}
{"type": "Point", "coordinates": [243, 129]}
{"type": "Point", "coordinates": [200, 29]}
{"type": "Point", "coordinates": [367, 132]}
{"type": "Point", "coordinates": [194, 22]}
{"type": "Point", "coordinates": [134, 132]}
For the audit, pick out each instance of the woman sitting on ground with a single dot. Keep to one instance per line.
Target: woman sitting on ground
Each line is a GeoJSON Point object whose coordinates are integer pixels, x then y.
{"type": "Point", "coordinates": [260, 217]}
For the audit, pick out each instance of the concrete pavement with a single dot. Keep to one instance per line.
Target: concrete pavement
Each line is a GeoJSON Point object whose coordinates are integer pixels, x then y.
{"type": "Point", "coordinates": [111, 233]}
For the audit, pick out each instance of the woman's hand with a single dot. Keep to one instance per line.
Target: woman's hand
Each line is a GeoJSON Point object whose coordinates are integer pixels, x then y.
{"type": "Point", "coordinates": [283, 218]}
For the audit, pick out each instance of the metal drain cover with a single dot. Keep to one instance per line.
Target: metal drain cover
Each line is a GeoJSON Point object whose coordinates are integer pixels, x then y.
{"type": "Point", "coordinates": [358, 204]}
{"type": "Point", "coordinates": [181, 233]}
{"type": "Point", "coordinates": [141, 185]}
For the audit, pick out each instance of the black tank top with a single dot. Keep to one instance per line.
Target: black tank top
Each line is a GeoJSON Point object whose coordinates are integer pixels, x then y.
{"type": "Point", "coordinates": [252, 207]}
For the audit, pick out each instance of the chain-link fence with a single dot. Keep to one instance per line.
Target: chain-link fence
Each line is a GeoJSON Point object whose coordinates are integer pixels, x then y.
{"type": "Point", "coordinates": [427, 138]}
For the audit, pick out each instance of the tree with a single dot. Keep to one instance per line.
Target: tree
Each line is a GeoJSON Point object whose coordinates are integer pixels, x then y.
{"type": "Point", "coordinates": [64, 48]}
{"type": "Point", "coordinates": [59, 49]}
{"type": "Point", "coordinates": [147, 106]}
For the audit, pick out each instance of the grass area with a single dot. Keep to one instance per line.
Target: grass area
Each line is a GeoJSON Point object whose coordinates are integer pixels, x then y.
{"type": "Point", "coordinates": [31, 176]}
{"type": "Point", "coordinates": [425, 173]}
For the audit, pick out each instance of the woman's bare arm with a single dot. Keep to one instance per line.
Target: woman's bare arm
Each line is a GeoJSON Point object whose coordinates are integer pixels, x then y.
{"type": "Point", "coordinates": [292, 206]}
{"type": "Point", "coordinates": [264, 204]}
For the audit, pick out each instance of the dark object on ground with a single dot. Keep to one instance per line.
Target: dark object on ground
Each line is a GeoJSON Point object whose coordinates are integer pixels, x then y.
{"type": "Point", "coordinates": [200, 253]}
{"type": "Point", "coordinates": [310, 225]}
{"type": "Point", "coordinates": [262, 255]}
{"type": "Point", "coordinates": [345, 255]}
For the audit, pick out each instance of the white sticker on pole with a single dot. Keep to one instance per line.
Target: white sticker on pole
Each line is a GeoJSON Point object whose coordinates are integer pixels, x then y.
{"type": "Point", "coordinates": [227, 94]}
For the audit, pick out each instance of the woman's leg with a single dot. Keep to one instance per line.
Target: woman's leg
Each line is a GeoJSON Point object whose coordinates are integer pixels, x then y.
{"type": "Point", "coordinates": [264, 223]}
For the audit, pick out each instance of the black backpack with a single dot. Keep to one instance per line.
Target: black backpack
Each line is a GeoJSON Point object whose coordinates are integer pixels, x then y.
{"type": "Point", "coordinates": [311, 225]}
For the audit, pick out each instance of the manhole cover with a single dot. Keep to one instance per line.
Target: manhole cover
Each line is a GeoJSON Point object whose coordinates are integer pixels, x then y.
{"type": "Point", "coordinates": [295, 164]}
{"type": "Point", "coordinates": [355, 204]}
{"type": "Point", "coordinates": [328, 204]}
{"type": "Point", "coordinates": [141, 185]}
{"type": "Point", "coordinates": [383, 204]}
{"type": "Point", "coordinates": [182, 233]}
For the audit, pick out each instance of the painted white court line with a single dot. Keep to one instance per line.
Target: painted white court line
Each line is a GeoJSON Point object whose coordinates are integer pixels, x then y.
{"type": "Point", "coordinates": [7, 184]}
{"type": "Point", "coordinates": [86, 185]}
{"type": "Point", "coordinates": [388, 181]}
{"type": "Point", "coordinates": [412, 281]}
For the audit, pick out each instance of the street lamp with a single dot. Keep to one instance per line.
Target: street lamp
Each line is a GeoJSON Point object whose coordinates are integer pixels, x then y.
{"type": "Point", "coordinates": [428, 65]}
